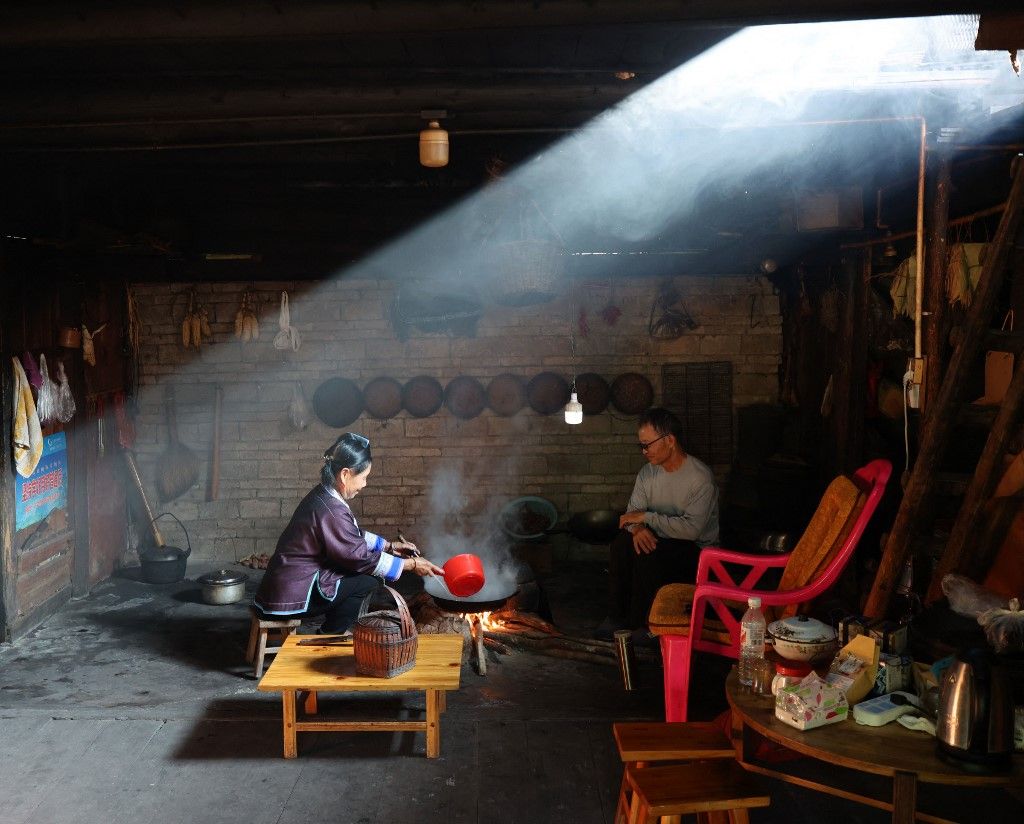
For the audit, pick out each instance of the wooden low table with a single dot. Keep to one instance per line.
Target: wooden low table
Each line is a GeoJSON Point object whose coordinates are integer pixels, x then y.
{"type": "Point", "coordinates": [309, 668]}
{"type": "Point", "coordinates": [903, 758]}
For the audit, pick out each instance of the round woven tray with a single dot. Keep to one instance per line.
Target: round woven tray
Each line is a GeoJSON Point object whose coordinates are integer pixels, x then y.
{"type": "Point", "coordinates": [422, 396]}
{"type": "Point", "coordinates": [465, 397]}
{"type": "Point", "coordinates": [383, 398]}
{"type": "Point", "coordinates": [592, 391]}
{"type": "Point", "coordinates": [632, 393]}
{"type": "Point", "coordinates": [547, 393]}
{"type": "Point", "coordinates": [506, 395]}
{"type": "Point", "coordinates": [338, 402]}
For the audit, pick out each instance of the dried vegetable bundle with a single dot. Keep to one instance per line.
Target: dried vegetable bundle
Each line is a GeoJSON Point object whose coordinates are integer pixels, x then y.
{"type": "Point", "coordinates": [196, 324]}
{"type": "Point", "coordinates": [247, 325]}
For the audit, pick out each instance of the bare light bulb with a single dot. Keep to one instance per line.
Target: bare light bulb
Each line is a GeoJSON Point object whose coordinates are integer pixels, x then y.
{"type": "Point", "coordinates": [574, 410]}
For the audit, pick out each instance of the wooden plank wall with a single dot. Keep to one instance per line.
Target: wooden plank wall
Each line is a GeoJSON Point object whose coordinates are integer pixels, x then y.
{"type": "Point", "coordinates": [45, 563]}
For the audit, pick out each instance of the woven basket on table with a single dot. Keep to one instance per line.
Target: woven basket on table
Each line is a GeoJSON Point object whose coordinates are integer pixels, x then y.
{"type": "Point", "coordinates": [384, 641]}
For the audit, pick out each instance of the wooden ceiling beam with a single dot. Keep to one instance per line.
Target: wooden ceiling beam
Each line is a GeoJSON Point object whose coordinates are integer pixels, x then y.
{"type": "Point", "coordinates": [26, 22]}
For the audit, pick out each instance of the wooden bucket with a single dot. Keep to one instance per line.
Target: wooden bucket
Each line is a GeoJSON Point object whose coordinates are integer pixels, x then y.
{"type": "Point", "coordinates": [384, 642]}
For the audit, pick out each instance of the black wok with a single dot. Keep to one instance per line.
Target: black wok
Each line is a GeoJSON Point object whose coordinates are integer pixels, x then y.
{"type": "Point", "coordinates": [596, 526]}
{"type": "Point", "coordinates": [493, 596]}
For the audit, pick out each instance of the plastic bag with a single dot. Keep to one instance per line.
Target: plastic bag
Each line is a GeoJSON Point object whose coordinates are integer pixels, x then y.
{"type": "Point", "coordinates": [65, 400]}
{"type": "Point", "coordinates": [288, 337]}
{"type": "Point", "coordinates": [298, 411]}
{"type": "Point", "coordinates": [968, 598]}
{"type": "Point", "coordinates": [1004, 628]}
{"type": "Point", "coordinates": [47, 403]}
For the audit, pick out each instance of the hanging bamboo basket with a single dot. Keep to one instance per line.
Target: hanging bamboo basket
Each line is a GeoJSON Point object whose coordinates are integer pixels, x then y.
{"type": "Point", "coordinates": [527, 271]}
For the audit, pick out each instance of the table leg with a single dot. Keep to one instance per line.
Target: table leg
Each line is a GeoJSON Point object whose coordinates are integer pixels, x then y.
{"type": "Point", "coordinates": [309, 703]}
{"type": "Point", "coordinates": [904, 797]}
{"type": "Point", "coordinates": [434, 723]}
{"type": "Point", "coordinates": [291, 748]}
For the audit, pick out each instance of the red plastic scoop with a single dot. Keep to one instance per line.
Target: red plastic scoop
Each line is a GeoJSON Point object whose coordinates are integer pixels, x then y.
{"type": "Point", "coordinates": [464, 575]}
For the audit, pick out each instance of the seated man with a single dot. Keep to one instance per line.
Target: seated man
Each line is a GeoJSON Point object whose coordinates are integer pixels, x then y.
{"type": "Point", "coordinates": [672, 515]}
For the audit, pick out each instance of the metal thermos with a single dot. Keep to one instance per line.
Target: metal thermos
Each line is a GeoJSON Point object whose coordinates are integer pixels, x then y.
{"type": "Point", "coordinates": [974, 727]}
{"type": "Point", "coordinates": [624, 651]}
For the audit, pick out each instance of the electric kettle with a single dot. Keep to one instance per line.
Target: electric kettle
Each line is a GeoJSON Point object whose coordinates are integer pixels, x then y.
{"type": "Point", "coordinates": [974, 727]}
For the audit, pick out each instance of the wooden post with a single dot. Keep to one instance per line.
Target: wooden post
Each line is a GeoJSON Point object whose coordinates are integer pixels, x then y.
{"type": "Point", "coordinates": [939, 424]}
{"type": "Point", "coordinates": [935, 300]}
{"type": "Point", "coordinates": [842, 374]}
{"type": "Point", "coordinates": [983, 484]}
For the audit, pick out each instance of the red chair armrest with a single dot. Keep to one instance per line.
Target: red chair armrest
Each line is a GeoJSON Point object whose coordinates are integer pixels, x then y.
{"type": "Point", "coordinates": [712, 560]}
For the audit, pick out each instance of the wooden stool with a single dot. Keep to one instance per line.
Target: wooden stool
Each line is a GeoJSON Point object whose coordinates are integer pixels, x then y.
{"type": "Point", "coordinates": [259, 629]}
{"type": "Point", "coordinates": [716, 791]}
{"type": "Point", "coordinates": [642, 743]}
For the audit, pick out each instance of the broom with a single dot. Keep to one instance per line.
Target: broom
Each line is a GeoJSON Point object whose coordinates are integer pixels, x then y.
{"type": "Point", "coordinates": [178, 467]}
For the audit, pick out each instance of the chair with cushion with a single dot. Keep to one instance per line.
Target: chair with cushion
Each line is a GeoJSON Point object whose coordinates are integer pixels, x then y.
{"type": "Point", "coordinates": [705, 616]}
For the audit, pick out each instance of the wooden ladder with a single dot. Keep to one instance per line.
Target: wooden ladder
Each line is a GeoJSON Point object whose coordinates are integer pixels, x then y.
{"type": "Point", "coordinates": [941, 416]}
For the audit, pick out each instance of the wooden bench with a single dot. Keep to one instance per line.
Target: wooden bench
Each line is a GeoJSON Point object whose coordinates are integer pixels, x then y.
{"type": "Point", "coordinates": [260, 629]}
{"type": "Point", "coordinates": [643, 743]}
{"type": "Point", "coordinates": [325, 663]}
{"type": "Point", "coordinates": [715, 791]}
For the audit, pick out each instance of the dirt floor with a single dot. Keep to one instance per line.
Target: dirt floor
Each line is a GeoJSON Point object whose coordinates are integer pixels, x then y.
{"type": "Point", "coordinates": [134, 704]}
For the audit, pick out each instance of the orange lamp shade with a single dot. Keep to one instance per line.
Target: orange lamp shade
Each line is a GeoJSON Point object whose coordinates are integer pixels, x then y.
{"type": "Point", "coordinates": [434, 146]}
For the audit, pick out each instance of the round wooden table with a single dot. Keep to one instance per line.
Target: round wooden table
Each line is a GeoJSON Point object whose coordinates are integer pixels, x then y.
{"type": "Point", "coordinates": [892, 751]}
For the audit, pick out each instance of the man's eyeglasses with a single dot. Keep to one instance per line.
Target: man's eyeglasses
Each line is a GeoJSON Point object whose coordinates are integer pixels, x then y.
{"type": "Point", "coordinates": [645, 446]}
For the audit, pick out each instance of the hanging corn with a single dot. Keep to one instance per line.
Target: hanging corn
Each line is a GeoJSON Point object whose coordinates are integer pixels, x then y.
{"type": "Point", "coordinates": [247, 325]}
{"type": "Point", "coordinates": [196, 324]}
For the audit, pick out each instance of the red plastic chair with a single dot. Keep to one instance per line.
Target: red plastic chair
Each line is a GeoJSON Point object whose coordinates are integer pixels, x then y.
{"type": "Point", "coordinates": [822, 553]}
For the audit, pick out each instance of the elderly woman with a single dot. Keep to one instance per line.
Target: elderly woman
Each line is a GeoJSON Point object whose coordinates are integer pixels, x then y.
{"type": "Point", "coordinates": [324, 563]}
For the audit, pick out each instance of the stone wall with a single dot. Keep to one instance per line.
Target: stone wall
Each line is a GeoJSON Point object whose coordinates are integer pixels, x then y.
{"type": "Point", "coordinates": [267, 465]}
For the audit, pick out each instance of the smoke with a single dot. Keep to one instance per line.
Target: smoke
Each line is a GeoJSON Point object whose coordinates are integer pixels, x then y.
{"type": "Point", "coordinates": [770, 109]}
{"type": "Point", "coordinates": [460, 521]}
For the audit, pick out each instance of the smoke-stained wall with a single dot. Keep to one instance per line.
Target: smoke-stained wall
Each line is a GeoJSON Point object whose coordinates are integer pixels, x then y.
{"type": "Point", "coordinates": [267, 465]}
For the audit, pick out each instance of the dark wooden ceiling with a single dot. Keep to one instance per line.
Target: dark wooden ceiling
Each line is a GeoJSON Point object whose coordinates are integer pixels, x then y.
{"type": "Point", "coordinates": [165, 130]}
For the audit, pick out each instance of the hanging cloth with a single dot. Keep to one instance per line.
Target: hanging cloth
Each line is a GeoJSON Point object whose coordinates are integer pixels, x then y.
{"type": "Point", "coordinates": [26, 433]}
{"type": "Point", "coordinates": [288, 337]}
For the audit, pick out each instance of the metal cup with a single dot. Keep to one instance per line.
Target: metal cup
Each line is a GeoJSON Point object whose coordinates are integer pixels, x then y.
{"type": "Point", "coordinates": [624, 652]}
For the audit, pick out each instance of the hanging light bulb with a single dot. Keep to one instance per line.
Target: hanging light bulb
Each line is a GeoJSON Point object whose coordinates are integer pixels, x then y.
{"type": "Point", "coordinates": [573, 410]}
{"type": "Point", "coordinates": [434, 146]}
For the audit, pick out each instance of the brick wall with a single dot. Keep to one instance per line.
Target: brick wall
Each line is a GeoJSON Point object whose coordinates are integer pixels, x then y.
{"type": "Point", "coordinates": [267, 466]}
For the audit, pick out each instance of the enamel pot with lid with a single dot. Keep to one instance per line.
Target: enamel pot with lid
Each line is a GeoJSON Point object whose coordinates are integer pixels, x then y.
{"type": "Point", "coordinates": [801, 638]}
{"type": "Point", "coordinates": [223, 586]}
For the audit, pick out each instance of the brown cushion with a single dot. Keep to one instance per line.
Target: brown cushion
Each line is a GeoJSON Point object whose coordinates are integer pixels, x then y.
{"type": "Point", "coordinates": [835, 516]}
{"type": "Point", "coordinates": [670, 614]}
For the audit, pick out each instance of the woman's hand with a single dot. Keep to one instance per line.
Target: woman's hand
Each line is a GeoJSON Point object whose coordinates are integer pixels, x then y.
{"type": "Point", "coordinates": [403, 548]}
{"type": "Point", "coordinates": [421, 566]}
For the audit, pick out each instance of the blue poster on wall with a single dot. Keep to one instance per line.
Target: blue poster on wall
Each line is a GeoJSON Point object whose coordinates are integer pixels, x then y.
{"type": "Point", "coordinates": [46, 489]}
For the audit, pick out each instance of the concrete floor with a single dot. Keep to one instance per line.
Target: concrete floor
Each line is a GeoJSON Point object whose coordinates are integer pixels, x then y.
{"type": "Point", "coordinates": [134, 704]}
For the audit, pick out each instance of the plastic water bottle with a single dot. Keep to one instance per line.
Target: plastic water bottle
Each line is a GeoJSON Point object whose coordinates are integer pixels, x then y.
{"type": "Point", "coordinates": [752, 629]}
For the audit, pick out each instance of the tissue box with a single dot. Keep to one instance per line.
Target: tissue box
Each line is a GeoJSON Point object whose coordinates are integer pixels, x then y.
{"type": "Point", "coordinates": [855, 668]}
{"type": "Point", "coordinates": [811, 703]}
